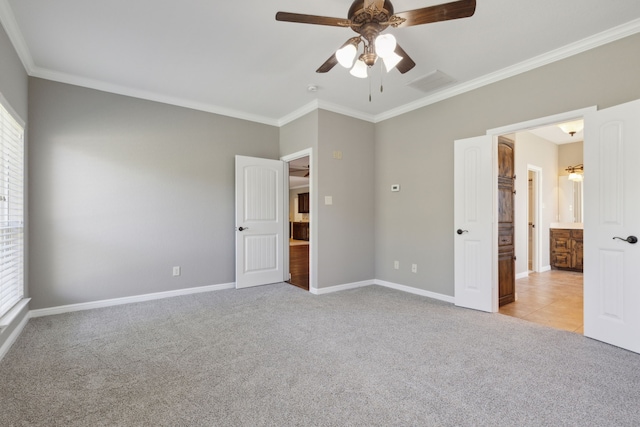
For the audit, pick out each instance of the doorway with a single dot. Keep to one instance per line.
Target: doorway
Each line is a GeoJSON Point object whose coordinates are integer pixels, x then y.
{"type": "Point", "coordinates": [299, 221]}
{"type": "Point", "coordinates": [547, 293]}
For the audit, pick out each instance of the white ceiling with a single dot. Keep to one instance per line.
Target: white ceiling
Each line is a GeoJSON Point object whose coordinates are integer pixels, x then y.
{"type": "Point", "coordinates": [233, 58]}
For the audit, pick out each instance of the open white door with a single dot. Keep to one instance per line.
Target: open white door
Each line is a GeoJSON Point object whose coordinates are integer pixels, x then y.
{"type": "Point", "coordinates": [474, 211]}
{"type": "Point", "coordinates": [260, 221]}
{"type": "Point", "coordinates": [612, 210]}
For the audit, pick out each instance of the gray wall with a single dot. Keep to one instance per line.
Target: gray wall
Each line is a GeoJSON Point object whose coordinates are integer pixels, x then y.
{"type": "Point", "coordinates": [14, 88]}
{"type": "Point", "coordinates": [123, 189]}
{"type": "Point", "coordinates": [13, 77]}
{"type": "Point", "coordinates": [415, 150]}
{"type": "Point", "coordinates": [345, 228]}
{"type": "Point", "coordinates": [302, 134]}
{"type": "Point", "coordinates": [342, 234]}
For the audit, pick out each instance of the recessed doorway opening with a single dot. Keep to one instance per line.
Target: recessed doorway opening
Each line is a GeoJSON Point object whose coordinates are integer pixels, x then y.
{"type": "Point", "coordinates": [299, 221]}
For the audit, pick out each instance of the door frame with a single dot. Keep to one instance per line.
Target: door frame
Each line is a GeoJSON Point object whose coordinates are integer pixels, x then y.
{"type": "Point", "coordinates": [313, 223]}
{"type": "Point", "coordinates": [537, 237]}
{"type": "Point", "coordinates": [520, 127]}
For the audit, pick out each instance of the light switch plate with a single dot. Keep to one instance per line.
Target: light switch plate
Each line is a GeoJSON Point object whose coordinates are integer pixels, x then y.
{"type": "Point", "coordinates": [328, 200]}
{"type": "Point", "coordinates": [395, 187]}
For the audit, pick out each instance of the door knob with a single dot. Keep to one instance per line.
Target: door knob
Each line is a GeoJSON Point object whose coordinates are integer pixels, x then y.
{"type": "Point", "coordinates": [630, 239]}
{"type": "Point", "coordinates": [242, 228]}
{"type": "Point", "coordinates": [460, 231]}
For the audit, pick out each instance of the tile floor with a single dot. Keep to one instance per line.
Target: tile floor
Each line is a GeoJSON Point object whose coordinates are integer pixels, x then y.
{"type": "Point", "coordinates": [552, 298]}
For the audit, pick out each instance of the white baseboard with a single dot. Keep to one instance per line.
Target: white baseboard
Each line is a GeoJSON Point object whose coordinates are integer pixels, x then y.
{"type": "Point", "coordinates": [11, 339]}
{"type": "Point", "coordinates": [416, 291]}
{"type": "Point", "coordinates": [338, 288]}
{"type": "Point", "coordinates": [545, 268]}
{"type": "Point", "coordinates": [522, 275]}
{"type": "Point", "coordinates": [127, 300]}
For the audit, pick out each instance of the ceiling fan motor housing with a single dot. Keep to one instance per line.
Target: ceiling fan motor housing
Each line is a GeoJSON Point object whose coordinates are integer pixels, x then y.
{"type": "Point", "coordinates": [359, 15]}
{"type": "Point", "coordinates": [367, 24]}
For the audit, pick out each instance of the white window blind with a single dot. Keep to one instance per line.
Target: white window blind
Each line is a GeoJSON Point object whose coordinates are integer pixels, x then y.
{"type": "Point", "coordinates": [11, 210]}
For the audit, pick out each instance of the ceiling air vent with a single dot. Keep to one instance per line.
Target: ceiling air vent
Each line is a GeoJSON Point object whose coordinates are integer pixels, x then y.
{"type": "Point", "coordinates": [432, 81]}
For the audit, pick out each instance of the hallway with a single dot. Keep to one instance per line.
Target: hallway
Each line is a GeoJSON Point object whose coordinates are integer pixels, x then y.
{"type": "Point", "coordinates": [553, 298]}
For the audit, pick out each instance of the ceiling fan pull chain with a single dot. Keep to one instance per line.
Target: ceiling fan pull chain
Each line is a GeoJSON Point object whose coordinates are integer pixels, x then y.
{"type": "Point", "coordinates": [381, 78]}
{"type": "Point", "coordinates": [369, 87]}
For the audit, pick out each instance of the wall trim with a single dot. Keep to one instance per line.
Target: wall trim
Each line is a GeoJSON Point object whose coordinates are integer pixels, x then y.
{"type": "Point", "coordinates": [338, 288]}
{"type": "Point", "coordinates": [522, 275]}
{"type": "Point", "coordinates": [416, 291]}
{"type": "Point", "coordinates": [11, 339]}
{"type": "Point", "coordinates": [127, 300]}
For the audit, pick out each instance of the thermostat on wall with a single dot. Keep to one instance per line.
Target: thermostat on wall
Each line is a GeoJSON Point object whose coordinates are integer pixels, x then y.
{"type": "Point", "coordinates": [395, 187]}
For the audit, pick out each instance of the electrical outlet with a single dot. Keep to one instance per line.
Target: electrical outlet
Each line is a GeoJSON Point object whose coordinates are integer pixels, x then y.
{"type": "Point", "coordinates": [176, 271]}
{"type": "Point", "coordinates": [396, 265]}
{"type": "Point", "coordinates": [414, 268]}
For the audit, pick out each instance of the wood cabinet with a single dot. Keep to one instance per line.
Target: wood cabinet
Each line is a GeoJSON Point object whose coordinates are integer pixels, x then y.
{"type": "Point", "coordinates": [300, 230]}
{"type": "Point", "coordinates": [566, 249]}
{"type": "Point", "coordinates": [303, 203]}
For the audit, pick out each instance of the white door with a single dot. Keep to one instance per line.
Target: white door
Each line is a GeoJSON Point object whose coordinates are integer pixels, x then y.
{"type": "Point", "coordinates": [474, 211]}
{"type": "Point", "coordinates": [612, 210]}
{"type": "Point", "coordinates": [260, 221]}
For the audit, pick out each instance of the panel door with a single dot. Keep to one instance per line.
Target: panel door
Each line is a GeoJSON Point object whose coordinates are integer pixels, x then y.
{"type": "Point", "coordinates": [260, 221]}
{"type": "Point", "coordinates": [612, 206]}
{"type": "Point", "coordinates": [474, 209]}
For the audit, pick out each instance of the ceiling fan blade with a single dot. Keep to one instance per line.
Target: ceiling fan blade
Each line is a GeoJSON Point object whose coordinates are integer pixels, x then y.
{"type": "Point", "coordinates": [441, 12]}
{"type": "Point", "coordinates": [328, 64]}
{"type": "Point", "coordinates": [406, 63]}
{"type": "Point", "coordinates": [312, 19]}
{"type": "Point", "coordinates": [333, 60]}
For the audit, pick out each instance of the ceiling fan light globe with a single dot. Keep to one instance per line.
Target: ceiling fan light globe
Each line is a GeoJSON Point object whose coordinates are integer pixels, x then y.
{"type": "Point", "coordinates": [385, 45]}
{"type": "Point", "coordinates": [391, 60]}
{"type": "Point", "coordinates": [346, 55]}
{"type": "Point", "coordinates": [359, 70]}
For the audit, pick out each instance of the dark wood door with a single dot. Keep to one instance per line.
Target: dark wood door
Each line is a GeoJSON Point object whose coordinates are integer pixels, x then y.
{"type": "Point", "coordinates": [506, 244]}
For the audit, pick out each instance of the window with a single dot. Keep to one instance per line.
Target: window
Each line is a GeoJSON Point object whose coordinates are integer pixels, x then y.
{"type": "Point", "coordinates": [11, 209]}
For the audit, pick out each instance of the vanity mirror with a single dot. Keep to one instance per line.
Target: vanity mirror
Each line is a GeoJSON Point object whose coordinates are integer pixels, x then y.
{"type": "Point", "coordinates": [570, 204]}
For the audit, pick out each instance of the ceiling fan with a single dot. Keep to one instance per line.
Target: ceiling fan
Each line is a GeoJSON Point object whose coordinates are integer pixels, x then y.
{"type": "Point", "coordinates": [369, 18]}
{"type": "Point", "coordinates": [301, 171]}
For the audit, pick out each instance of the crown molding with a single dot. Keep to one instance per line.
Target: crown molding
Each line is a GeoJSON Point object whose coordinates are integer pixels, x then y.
{"type": "Point", "coordinates": [564, 52]}
{"type": "Point", "coordinates": [8, 21]}
{"type": "Point", "coordinates": [319, 104]}
{"type": "Point", "coordinates": [300, 112]}
{"type": "Point", "coordinates": [335, 108]}
{"type": "Point", "coordinates": [149, 96]}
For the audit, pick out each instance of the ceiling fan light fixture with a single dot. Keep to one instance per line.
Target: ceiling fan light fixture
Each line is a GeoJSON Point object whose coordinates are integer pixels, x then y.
{"type": "Point", "coordinates": [359, 70]}
{"type": "Point", "coordinates": [346, 55]}
{"type": "Point", "coordinates": [391, 60]}
{"type": "Point", "coordinates": [385, 45]}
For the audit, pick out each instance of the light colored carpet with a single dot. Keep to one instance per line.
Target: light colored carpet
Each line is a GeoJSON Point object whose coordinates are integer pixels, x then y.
{"type": "Point", "coordinates": [279, 356]}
